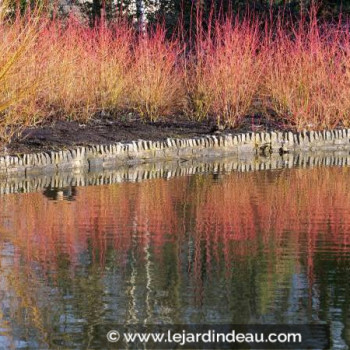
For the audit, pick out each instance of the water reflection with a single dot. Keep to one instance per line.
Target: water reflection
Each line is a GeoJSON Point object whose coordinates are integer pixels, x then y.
{"type": "Point", "coordinates": [66, 193]}
{"type": "Point", "coordinates": [258, 247]}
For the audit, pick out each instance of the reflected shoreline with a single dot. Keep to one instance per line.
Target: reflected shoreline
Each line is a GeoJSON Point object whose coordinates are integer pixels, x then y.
{"type": "Point", "coordinates": [170, 169]}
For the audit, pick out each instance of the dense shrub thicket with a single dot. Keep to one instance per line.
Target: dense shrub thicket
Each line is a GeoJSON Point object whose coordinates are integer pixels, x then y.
{"type": "Point", "coordinates": [295, 72]}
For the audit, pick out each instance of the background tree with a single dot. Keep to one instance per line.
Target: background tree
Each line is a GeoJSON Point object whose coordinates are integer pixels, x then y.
{"type": "Point", "coordinates": [171, 11]}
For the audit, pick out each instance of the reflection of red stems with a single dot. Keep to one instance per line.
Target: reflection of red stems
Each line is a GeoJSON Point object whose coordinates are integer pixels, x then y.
{"type": "Point", "coordinates": [233, 219]}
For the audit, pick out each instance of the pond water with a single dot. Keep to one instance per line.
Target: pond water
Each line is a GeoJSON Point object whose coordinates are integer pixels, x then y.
{"type": "Point", "coordinates": [260, 247]}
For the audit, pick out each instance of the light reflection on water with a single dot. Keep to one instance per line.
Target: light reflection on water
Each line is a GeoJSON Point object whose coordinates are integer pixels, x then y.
{"type": "Point", "coordinates": [259, 247]}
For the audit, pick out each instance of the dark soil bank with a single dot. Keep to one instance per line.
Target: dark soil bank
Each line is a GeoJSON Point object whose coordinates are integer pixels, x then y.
{"type": "Point", "coordinates": [63, 134]}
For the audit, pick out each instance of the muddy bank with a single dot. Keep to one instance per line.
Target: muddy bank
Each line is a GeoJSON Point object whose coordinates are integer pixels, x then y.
{"type": "Point", "coordinates": [59, 135]}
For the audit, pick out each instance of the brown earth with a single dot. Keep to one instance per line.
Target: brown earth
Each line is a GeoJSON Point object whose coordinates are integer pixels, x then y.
{"type": "Point", "coordinates": [63, 134]}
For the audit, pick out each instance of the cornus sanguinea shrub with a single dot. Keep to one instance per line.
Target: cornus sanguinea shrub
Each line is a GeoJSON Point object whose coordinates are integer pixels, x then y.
{"type": "Point", "coordinates": [156, 76]}
{"type": "Point", "coordinates": [306, 83]}
{"type": "Point", "coordinates": [223, 76]}
{"type": "Point", "coordinates": [298, 75]}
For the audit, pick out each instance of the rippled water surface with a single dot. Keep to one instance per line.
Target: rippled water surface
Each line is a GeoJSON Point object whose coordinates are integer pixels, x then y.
{"type": "Point", "coordinates": [258, 247]}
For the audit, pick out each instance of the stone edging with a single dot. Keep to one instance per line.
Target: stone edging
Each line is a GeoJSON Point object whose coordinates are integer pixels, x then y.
{"type": "Point", "coordinates": [109, 156]}
{"type": "Point", "coordinates": [62, 181]}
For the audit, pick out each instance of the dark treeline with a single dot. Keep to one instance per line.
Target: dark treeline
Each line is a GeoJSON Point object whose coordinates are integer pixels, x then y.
{"type": "Point", "coordinates": [171, 11]}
